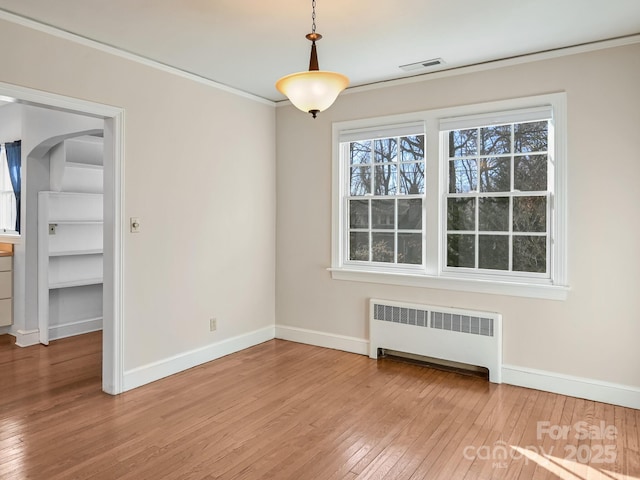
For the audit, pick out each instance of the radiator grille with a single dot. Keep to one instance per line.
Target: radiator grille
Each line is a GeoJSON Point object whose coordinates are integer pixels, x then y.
{"type": "Point", "coordinates": [440, 320]}
{"type": "Point", "coordinates": [452, 334]}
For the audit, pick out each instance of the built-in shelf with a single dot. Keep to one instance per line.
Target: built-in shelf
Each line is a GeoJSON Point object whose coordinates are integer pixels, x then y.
{"type": "Point", "coordinates": [88, 166]}
{"type": "Point", "coordinates": [70, 237]}
{"type": "Point", "coordinates": [76, 283]}
{"type": "Point", "coordinates": [75, 222]}
{"type": "Point", "coordinates": [76, 252]}
{"type": "Point", "coordinates": [70, 240]}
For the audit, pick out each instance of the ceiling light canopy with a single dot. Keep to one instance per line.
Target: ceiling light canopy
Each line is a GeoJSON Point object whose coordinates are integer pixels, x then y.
{"type": "Point", "coordinates": [316, 90]}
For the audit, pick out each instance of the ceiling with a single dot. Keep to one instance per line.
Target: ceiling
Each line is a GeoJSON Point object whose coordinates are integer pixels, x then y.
{"type": "Point", "coordinates": [248, 45]}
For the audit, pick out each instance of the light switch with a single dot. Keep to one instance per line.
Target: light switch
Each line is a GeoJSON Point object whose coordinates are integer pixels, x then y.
{"type": "Point", "coordinates": [134, 224]}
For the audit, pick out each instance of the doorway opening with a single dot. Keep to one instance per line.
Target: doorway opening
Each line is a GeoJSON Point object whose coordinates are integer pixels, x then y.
{"type": "Point", "coordinates": [26, 326]}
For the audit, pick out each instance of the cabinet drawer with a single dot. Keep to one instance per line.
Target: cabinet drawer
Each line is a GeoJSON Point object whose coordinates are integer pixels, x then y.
{"type": "Point", "coordinates": [6, 285]}
{"type": "Point", "coordinates": [6, 317]}
{"type": "Point", "coordinates": [5, 264]}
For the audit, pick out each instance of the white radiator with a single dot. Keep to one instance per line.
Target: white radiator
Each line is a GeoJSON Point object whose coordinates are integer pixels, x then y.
{"type": "Point", "coordinates": [453, 334]}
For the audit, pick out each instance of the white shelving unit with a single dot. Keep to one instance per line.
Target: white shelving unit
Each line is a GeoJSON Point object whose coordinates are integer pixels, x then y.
{"type": "Point", "coordinates": [70, 236]}
{"type": "Point", "coordinates": [69, 246]}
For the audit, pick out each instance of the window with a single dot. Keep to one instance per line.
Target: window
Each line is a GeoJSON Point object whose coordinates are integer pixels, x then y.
{"type": "Point", "coordinates": [8, 207]}
{"type": "Point", "coordinates": [498, 198]}
{"type": "Point", "coordinates": [469, 198]}
{"type": "Point", "coordinates": [384, 201]}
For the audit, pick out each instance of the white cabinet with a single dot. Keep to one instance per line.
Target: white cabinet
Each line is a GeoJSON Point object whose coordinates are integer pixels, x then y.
{"type": "Point", "coordinates": [6, 291]}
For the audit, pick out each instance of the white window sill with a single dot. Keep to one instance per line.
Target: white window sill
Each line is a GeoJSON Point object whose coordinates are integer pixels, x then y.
{"type": "Point", "coordinates": [9, 238]}
{"type": "Point", "coordinates": [547, 292]}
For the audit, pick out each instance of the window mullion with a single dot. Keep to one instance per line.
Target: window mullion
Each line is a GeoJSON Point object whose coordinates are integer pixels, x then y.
{"type": "Point", "coordinates": [511, 195]}
{"type": "Point", "coordinates": [511, 233]}
{"type": "Point", "coordinates": [479, 153]}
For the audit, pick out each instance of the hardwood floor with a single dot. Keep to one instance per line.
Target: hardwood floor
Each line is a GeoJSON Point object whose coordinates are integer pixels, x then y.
{"type": "Point", "coordinates": [283, 410]}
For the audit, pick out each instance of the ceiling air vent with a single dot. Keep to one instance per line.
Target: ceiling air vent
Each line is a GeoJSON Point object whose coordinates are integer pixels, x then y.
{"type": "Point", "coordinates": [434, 62]}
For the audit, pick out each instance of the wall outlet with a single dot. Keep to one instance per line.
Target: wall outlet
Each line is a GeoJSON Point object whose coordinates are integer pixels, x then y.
{"type": "Point", "coordinates": [213, 324]}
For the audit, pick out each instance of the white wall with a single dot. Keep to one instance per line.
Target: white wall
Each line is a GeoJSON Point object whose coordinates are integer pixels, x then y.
{"type": "Point", "coordinates": [10, 122]}
{"type": "Point", "coordinates": [199, 173]}
{"type": "Point", "coordinates": [594, 333]}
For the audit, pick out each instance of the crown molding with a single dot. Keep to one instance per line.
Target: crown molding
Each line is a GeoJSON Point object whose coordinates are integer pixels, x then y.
{"type": "Point", "coordinates": [503, 62]}
{"type": "Point", "coordinates": [492, 64]}
{"type": "Point", "coordinates": [462, 70]}
{"type": "Point", "coordinates": [118, 52]}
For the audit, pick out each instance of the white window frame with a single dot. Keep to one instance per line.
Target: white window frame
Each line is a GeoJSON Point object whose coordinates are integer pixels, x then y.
{"type": "Point", "coordinates": [479, 121]}
{"type": "Point", "coordinates": [432, 273]}
{"type": "Point", "coordinates": [6, 191]}
{"type": "Point", "coordinates": [395, 131]}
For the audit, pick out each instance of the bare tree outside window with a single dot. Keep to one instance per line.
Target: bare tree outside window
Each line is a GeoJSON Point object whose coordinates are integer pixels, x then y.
{"type": "Point", "coordinates": [386, 195]}
{"type": "Point", "coordinates": [497, 202]}
{"type": "Point", "coordinates": [489, 215]}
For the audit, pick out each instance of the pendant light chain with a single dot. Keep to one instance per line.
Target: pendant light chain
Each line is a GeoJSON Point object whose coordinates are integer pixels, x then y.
{"type": "Point", "coordinates": [313, 16]}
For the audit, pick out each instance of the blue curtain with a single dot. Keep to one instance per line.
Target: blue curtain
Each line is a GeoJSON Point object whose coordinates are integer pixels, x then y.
{"type": "Point", "coordinates": [14, 161]}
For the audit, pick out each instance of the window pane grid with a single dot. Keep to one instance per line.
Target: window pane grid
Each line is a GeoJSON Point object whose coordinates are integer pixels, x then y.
{"type": "Point", "coordinates": [386, 180]}
{"type": "Point", "coordinates": [515, 166]}
{"type": "Point", "coordinates": [490, 184]}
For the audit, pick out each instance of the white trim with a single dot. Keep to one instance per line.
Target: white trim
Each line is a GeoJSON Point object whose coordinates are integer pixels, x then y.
{"type": "Point", "coordinates": [491, 65]}
{"type": "Point", "coordinates": [559, 220]}
{"type": "Point", "coordinates": [14, 93]}
{"type": "Point", "coordinates": [531, 114]}
{"type": "Point", "coordinates": [43, 267]}
{"type": "Point", "coordinates": [87, 42]}
{"type": "Point", "coordinates": [26, 338]}
{"type": "Point", "coordinates": [400, 130]}
{"type": "Point", "coordinates": [323, 339]}
{"type": "Point", "coordinates": [8, 238]}
{"type": "Point", "coordinates": [151, 372]}
{"type": "Point", "coordinates": [112, 350]}
{"type": "Point", "coordinates": [556, 171]}
{"type": "Point", "coordinates": [454, 71]}
{"type": "Point", "coordinates": [579, 387]}
{"type": "Point", "coordinates": [113, 256]}
{"type": "Point", "coordinates": [548, 292]}
{"type": "Point", "coordinates": [70, 329]}
{"type": "Point", "coordinates": [599, 391]}
{"type": "Point", "coordinates": [432, 274]}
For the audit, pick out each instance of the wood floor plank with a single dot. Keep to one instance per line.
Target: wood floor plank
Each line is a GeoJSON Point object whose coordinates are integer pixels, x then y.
{"type": "Point", "coordinates": [282, 410]}
{"type": "Point", "coordinates": [413, 438]}
{"type": "Point", "coordinates": [315, 462]}
{"type": "Point", "coordinates": [547, 445]}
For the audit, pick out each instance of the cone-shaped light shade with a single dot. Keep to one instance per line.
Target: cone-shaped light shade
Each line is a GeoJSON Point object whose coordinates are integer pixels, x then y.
{"type": "Point", "coordinates": [312, 91]}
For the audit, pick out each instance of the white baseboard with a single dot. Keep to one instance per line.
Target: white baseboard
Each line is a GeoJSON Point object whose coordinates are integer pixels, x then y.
{"type": "Point", "coordinates": [616, 394]}
{"type": "Point", "coordinates": [590, 389]}
{"type": "Point", "coordinates": [587, 388]}
{"type": "Point", "coordinates": [323, 339]}
{"type": "Point", "coordinates": [70, 329]}
{"type": "Point", "coordinates": [26, 338]}
{"type": "Point", "coordinates": [155, 371]}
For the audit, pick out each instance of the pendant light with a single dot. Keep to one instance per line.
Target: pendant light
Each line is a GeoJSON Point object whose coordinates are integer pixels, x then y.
{"type": "Point", "coordinates": [316, 90]}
